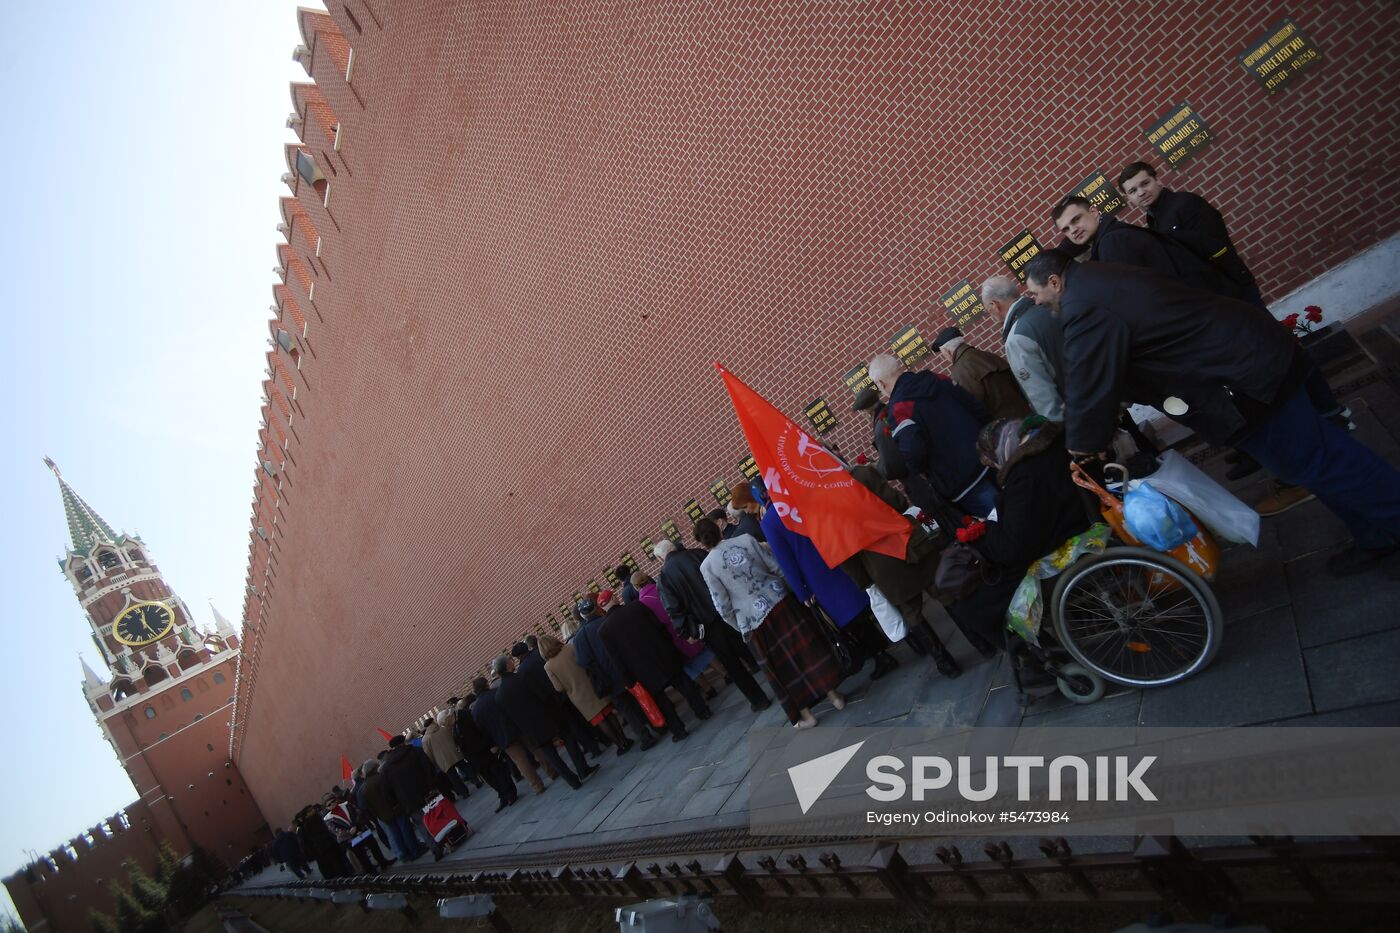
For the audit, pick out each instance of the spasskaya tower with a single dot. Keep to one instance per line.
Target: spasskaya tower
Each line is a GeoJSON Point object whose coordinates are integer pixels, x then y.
{"type": "Point", "coordinates": [167, 705]}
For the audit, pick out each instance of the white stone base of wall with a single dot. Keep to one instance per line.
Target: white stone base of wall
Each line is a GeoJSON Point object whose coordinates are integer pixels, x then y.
{"type": "Point", "coordinates": [1365, 281]}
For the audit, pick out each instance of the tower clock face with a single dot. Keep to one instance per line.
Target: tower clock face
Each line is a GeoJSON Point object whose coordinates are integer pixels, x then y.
{"type": "Point", "coordinates": [142, 623]}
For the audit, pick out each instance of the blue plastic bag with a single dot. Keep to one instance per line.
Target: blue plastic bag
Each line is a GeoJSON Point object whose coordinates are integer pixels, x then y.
{"type": "Point", "coordinates": [1155, 520]}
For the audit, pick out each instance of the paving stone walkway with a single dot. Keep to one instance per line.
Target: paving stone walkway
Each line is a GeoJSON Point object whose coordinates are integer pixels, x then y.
{"type": "Point", "coordinates": [1301, 647]}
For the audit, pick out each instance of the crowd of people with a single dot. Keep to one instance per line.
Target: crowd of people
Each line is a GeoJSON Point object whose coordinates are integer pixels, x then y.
{"type": "Point", "coordinates": [1166, 315]}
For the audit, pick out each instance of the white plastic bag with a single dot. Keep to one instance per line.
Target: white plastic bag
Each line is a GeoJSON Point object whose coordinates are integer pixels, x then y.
{"type": "Point", "coordinates": [1212, 504]}
{"type": "Point", "coordinates": [887, 615]}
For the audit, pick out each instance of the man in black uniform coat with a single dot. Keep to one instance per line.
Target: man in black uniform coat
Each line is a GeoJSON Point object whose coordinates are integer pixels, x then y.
{"type": "Point", "coordinates": [1223, 369]}
{"type": "Point", "coordinates": [1190, 219]}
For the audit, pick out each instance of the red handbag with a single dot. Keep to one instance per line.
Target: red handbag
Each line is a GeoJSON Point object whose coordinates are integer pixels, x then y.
{"type": "Point", "coordinates": [648, 705]}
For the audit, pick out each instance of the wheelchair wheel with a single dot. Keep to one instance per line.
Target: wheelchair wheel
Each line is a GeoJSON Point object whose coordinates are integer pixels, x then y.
{"type": "Point", "coordinates": [1136, 617]}
{"type": "Point", "coordinates": [1079, 684]}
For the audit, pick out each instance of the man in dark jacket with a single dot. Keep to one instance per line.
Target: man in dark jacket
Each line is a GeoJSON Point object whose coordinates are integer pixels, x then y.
{"type": "Point", "coordinates": [381, 803]}
{"type": "Point", "coordinates": [412, 777]}
{"type": "Point", "coordinates": [475, 746]}
{"type": "Point", "coordinates": [935, 424]}
{"type": "Point", "coordinates": [633, 639]}
{"type": "Point", "coordinates": [1190, 219]}
{"type": "Point", "coordinates": [986, 376]}
{"type": "Point", "coordinates": [536, 715]}
{"type": "Point", "coordinates": [687, 601]}
{"type": "Point", "coordinates": [1109, 239]}
{"type": "Point", "coordinates": [1219, 367]}
{"type": "Point", "coordinates": [530, 665]}
{"type": "Point", "coordinates": [498, 727]}
{"type": "Point", "coordinates": [890, 462]}
{"type": "Point", "coordinates": [287, 850]}
{"type": "Point", "coordinates": [594, 658]}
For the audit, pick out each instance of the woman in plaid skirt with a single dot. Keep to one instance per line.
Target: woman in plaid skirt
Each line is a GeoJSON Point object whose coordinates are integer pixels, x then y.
{"type": "Point", "coordinates": [750, 594]}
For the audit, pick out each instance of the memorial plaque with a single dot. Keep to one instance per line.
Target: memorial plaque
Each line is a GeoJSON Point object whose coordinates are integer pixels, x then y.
{"type": "Point", "coordinates": [1279, 55]}
{"type": "Point", "coordinates": [1100, 193]}
{"type": "Point", "coordinates": [669, 529]}
{"type": "Point", "coordinates": [627, 561]}
{"type": "Point", "coordinates": [909, 346]}
{"type": "Point", "coordinates": [859, 378]}
{"type": "Point", "coordinates": [649, 549]}
{"type": "Point", "coordinates": [550, 625]}
{"type": "Point", "coordinates": [749, 467]}
{"type": "Point", "coordinates": [1180, 134]}
{"type": "Point", "coordinates": [611, 579]}
{"type": "Point", "coordinates": [566, 610]}
{"type": "Point", "coordinates": [593, 588]}
{"type": "Point", "coordinates": [1019, 252]}
{"type": "Point", "coordinates": [693, 511]}
{"type": "Point", "coordinates": [720, 490]}
{"type": "Point", "coordinates": [962, 303]}
{"type": "Point", "coordinates": [577, 597]}
{"type": "Point", "coordinates": [820, 415]}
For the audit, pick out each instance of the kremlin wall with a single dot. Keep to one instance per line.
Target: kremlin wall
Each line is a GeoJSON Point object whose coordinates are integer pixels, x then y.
{"type": "Point", "coordinates": [516, 236]}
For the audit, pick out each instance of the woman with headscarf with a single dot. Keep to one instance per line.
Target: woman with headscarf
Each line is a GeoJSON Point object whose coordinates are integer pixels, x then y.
{"type": "Point", "coordinates": [1038, 509]}
{"type": "Point", "coordinates": [749, 593]}
{"type": "Point", "coordinates": [565, 675]}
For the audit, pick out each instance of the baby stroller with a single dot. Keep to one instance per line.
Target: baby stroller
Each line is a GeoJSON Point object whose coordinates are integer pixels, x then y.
{"type": "Point", "coordinates": [441, 819]}
{"type": "Point", "coordinates": [1117, 611]}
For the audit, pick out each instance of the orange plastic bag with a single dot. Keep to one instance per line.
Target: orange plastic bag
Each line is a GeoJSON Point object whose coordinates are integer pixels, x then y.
{"type": "Point", "coordinates": [648, 705]}
{"type": "Point", "coordinates": [1201, 553]}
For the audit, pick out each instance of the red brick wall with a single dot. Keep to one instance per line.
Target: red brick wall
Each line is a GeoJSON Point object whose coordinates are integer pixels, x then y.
{"type": "Point", "coordinates": [547, 220]}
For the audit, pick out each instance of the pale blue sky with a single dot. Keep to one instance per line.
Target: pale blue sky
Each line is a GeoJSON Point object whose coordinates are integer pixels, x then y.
{"type": "Point", "coordinates": [143, 156]}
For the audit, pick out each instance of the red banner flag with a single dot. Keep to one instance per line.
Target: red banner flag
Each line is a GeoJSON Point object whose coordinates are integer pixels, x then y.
{"type": "Point", "coordinates": [345, 768]}
{"type": "Point", "coordinates": [811, 489]}
{"type": "Point", "coordinates": [387, 736]}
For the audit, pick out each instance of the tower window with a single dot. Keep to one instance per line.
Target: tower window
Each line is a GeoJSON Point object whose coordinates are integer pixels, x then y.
{"type": "Point", "coordinates": [83, 573]}
{"type": "Point", "coordinates": [185, 694]}
{"type": "Point", "coordinates": [136, 555]}
{"type": "Point", "coordinates": [163, 736]}
{"type": "Point", "coordinates": [209, 747]}
{"type": "Point", "coordinates": [218, 677]}
{"type": "Point", "coordinates": [198, 717]}
{"type": "Point", "coordinates": [108, 560]}
{"type": "Point", "coordinates": [150, 712]}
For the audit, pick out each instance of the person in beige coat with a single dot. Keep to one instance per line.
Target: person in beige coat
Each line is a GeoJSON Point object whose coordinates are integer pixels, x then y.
{"type": "Point", "coordinates": [570, 679]}
{"type": "Point", "coordinates": [443, 750]}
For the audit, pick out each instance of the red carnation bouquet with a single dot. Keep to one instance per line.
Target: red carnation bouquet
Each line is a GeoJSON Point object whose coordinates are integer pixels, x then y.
{"type": "Point", "coordinates": [1303, 324]}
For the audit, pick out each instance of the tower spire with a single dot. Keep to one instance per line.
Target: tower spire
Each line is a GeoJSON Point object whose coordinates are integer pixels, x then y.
{"type": "Point", "coordinates": [86, 528]}
{"type": "Point", "coordinates": [90, 678]}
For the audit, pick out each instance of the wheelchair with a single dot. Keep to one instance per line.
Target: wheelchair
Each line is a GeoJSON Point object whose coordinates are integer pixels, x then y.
{"type": "Point", "coordinates": [1116, 611]}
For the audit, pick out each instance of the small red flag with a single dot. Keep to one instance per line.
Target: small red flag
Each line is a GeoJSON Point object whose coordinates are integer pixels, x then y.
{"type": "Point", "coordinates": [812, 491]}
{"type": "Point", "coordinates": [387, 736]}
{"type": "Point", "coordinates": [345, 768]}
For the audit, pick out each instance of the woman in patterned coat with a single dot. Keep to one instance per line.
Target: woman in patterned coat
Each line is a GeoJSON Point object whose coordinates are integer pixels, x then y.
{"type": "Point", "coordinates": [750, 594]}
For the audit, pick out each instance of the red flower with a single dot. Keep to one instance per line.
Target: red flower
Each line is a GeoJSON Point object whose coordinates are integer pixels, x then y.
{"type": "Point", "coordinates": [1313, 313]}
{"type": "Point", "coordinates": [860, 459]}
{"type": "Point", "coordinates": [1291, 321]}
{"type": "Point", "coordinates": [971, 532]}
